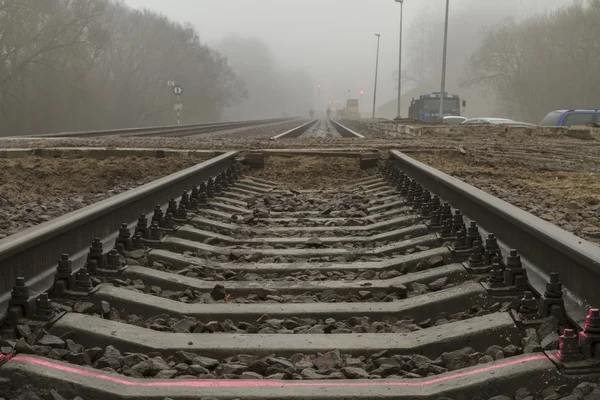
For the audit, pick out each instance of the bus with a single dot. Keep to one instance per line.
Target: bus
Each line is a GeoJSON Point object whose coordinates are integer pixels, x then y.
{"type": "Point", "coordinates": [427, 107]}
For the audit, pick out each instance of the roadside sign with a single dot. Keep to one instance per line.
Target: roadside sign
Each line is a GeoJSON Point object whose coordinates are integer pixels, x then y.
{"type": "Point", "coordinates": [177, 90]}
{"type": "Point", "coordinates": [170, 83]}
{"type": "Point", "coordinates": [178, 107]}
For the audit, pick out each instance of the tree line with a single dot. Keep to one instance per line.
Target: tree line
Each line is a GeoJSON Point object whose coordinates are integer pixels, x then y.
{"type": "Point", "coordinates": [274, 90]}
{"type": "Point", "coordinates": [543, 63]}
{"type": "Point", "coordinates": [68, 65]}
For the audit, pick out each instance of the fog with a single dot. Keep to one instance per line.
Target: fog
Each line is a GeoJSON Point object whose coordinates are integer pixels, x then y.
{"type": "Point", "coordinates": [333, 41]}
{"type": "Point", "coordinates": [101, 64]}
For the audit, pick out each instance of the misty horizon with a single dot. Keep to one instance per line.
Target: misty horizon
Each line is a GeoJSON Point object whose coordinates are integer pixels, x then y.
{"type": "Point", "coordinates": [333, 41]}
{"type": "Point", "coordinates": [104, 64]}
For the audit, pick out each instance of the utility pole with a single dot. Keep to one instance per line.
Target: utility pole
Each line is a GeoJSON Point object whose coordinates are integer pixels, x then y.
{"type": "Point", "coordinates": [399, 114]}
{"type": "Point", "coordinates": [443, 94]}
{"type": "Point", "coordinates": [376, 72]}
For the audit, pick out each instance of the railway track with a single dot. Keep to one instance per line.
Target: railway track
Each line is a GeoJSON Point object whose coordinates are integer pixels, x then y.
{"type": "Point", "coordinates": [319, 128]}
{"type": "Point", "coordinates": [243, 288]}
{"type": "Point", "coordinates": [168, 131]}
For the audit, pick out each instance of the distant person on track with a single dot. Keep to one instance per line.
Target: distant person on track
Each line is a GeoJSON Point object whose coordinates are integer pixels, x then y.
{"type": "Point", "coordinates": [312, 113]}
{"type": "Point", "coordinates": [328, 113]}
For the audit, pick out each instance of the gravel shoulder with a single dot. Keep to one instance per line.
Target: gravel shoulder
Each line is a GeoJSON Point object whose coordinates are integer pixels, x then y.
{"type": "Point", "coordinates": [306, 172]}
{"type": "Point", "coordinates": [35, 190]}
{"type": "Point", "coordinates": [568, 198]}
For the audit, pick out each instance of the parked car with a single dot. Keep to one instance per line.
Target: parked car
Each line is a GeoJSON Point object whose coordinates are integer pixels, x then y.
{"type": "Point", "coordinates": [498, 121]}
{"type": "Point", "coordinates": [571, 118]}
{"type": "Point", "coordinates": [522, 124]}
{"type": "Point", "coordinates": [454, 120]}
{"type": "Point", "coordinates": [495, 121]}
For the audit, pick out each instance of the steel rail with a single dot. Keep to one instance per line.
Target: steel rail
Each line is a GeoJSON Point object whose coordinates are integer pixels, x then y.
{"type": "Point", "coordinates": [346, 132]}
{"type": "Point", "coordinates": [214, 128]}
{"type": "Point", "coordinates": [544, 247]}
{"type": "Point", "coordinates": [34, 252]}
{"type": "Point", "coordinates": [164, 130]}
{"type": "Point", "coordinates": [296, 132]}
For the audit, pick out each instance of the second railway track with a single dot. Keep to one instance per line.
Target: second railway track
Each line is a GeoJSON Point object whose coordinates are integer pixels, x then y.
{"type": "Point", "coordinates": [169, 131]}
{"type": "Point", "coordinates": [245, 288]}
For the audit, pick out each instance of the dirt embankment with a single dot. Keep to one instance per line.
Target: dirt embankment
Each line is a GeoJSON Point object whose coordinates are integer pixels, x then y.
{"type": "Point", "coordinates": [552, 176]}
{"type": "Point", "coordinates": [35, 190]}
{"type": "Point", "coordinates": [567, 198]}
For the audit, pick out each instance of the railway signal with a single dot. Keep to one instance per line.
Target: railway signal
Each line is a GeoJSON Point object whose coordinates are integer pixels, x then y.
{"type": "Point", "coordinates": [177, 91]}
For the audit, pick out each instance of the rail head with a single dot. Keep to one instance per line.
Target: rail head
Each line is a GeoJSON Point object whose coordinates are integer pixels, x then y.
{"type": "Point", "coordinates": [544, 247]}
{"type": "Point", "coordinates": [295, 132]}
{"type": "Point", "coordinates": [34, 252]}
{"type": "Point", "coordinates": [345, 131]}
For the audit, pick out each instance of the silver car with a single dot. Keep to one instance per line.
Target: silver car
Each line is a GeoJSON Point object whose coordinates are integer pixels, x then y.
{"type": "Point", "coordinates": [498, 121]}
{"type": "Point", "coordinates": [495, 121]}
{"type": "Point", "coordinates": [454, 120]}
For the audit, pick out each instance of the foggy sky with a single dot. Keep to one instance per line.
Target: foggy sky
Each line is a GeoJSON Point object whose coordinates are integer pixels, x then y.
{"type": "Point", "coordinates": [332, 39]}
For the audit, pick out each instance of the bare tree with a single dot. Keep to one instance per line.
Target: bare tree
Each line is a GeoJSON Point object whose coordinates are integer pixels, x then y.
{"type": "Point", "coordinates": [91, 64]}
{"type": "Point", "coordinates": [543, 63]}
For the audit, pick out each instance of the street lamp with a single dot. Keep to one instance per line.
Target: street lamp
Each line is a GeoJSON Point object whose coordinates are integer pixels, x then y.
{"type": "Point", "coordinates": [400, 61]}
{"type": "Point", "coordinates": [376, 71]}
{"type": "Point", "coordinates": [443, 94]}
{"type": "Point", "coordinates": [319, 105]}
{"type": "Point", "coordinates": [362, 92]}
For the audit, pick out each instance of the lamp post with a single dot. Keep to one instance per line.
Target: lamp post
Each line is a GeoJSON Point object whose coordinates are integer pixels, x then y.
{"type": "Point", "coordinates": [443, 92]}
{"type": "Point", "coordinates": [319, 105]}
{"type": "Point", "coordinates": [376, 71]}
{"type": "Point", "coordinates": [362, 92]}
{"type": "Point", "coordinates": [399, 115]}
